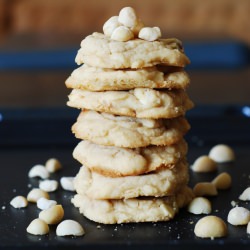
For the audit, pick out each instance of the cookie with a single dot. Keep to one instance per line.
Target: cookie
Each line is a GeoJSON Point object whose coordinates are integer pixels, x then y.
{"type": "Point", "coordinates": [128, 132]}
{"type": "Point", "coordinates": [140, 102]}
{"type": "Point", "coordinates": [100, 51]}
{"type": "Point", "coordinates": [163, 182]}
{"type": "Point", "coordinates": [100, 79]}
{"type": "Point", "coordinates": [132, 210]}
{"type": "Point", "coordinates": [117, 161]}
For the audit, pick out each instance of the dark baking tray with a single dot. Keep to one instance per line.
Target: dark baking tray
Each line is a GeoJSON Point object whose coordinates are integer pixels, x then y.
{"type": "Point", "coordinates": [31, 136]}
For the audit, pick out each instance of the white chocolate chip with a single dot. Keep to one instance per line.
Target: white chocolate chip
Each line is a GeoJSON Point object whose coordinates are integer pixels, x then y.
{"type": "Point", "coordinates": [19, 202]}
{"type": "Point", "coordinates": [53, 165]}
{"type": "Point", "coordinates": [110, 25]}
{"type": "Point", "coordinates": [245, 196]}
{"type": "Point", "coordinates": [200, 205]}
{"type": "Point", "coordinates": [210, 227]}
{"type": "Point", "coordinates": [67, 183]}
{"type": "Point", "coordinates": [205, 189]}
{"type": "Point", "coordinates": [52, 215]}
{"type": "Point", "coordinates": [38, 227]}
{"type": "Point", "coordinates": [127, 17]}
{"type": "Point", "coordinates": [204, 164]}
{"type": "Point", "coordinates": [69, 227]}
{"type": "Point", "coordinates": [122, 34]}
{"type": "Point", "coordinates": [222, 181]}
{"type": "Point", "coordinates": [35, 194]}
{"type": "Point", "coordinates": [150, 34]}
{"type": "Point", "coordinates": [44, 203]}
{"type": "Point", "coordinates": [248, 228]}
{"type": "Point", "coordinates": [48, 185]}
{"type": "Point", "coordinates": [38, 171]}
{"type": "Point", "coordinates": [238, 216]}
{"type": "Point", "coordinates": [222, 153]}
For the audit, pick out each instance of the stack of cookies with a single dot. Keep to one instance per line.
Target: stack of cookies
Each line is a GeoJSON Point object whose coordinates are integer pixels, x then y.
{"type": "Point", "coordinates": [131, 92]}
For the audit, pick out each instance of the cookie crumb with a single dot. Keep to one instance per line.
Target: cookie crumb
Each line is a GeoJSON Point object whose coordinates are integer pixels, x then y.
{"type": "Point", "coordinates": [234, 203]}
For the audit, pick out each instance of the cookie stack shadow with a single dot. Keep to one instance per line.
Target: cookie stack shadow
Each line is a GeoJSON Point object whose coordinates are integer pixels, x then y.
{"type": "Point", "coordinates": [132, 124]}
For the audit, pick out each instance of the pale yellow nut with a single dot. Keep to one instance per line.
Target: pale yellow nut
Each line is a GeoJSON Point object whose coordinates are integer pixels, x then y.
{"type": "Point", "coordinates": [210, 227]}
{"type": "Point", "coordinates": [38, 227]}
{"type": "Point", "coordinates": [52, 215]}
{"type": "Point", "coordinates": [39, 171]}
{"type": "Point", "coordinates": [205, 189]}
{"type": "Point", "coordinates": [53, 165]}
{"type": "Point", "coordinates": [200, 205]}
{"type": "Point", "coordinates": [48, 185]}
{"type": "Point", "coordinates": [204, 164]}
{"type": "Point", "coordinates": [110, 25]}
{"type": "Point", "coordinates": [150, 34]}
{"type": "Point", "coordinates": [138, 26]}
{"type": "Point", "coordinates": [19, 202]}
{"type": "Point", "coordinates": [127, 17]}
{"type": "Point", "coordinates": [69, 227]}
{"type": "Point", "coordinates": [238, 216]}
{"type": "Point", "coordinates": [245, 196]}
{"type": "Point", "coordinates": [248, 228]}
{"type": "Point", "coordinates": [222, 181]}
{"type": "Point", "coordinates": [122, 34]}
{"type": "Point", "coordinates": [222, 153]}
{"type": "Point", "coordinates": [67, 183]}
{"type": "Point", "coordinates": [44, 203]}
{"type": "Point", "coordinates": [35, 194]}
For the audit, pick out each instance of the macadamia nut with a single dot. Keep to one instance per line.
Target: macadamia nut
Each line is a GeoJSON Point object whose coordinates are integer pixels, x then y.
{"type": "Point", "coordinates": [210, 227]}
{"type": "Point", "coordinates": [245, 196]}
{"type": "Point", "coordinates": [67, 183]}
{"type": "Point", "coordinates": [53, 165]}
{"type": "Point", "coordinates": [44, 203]}
{"type": "Point", "coordinates": [136, 29]}
{"type": "Point", "coordinates": [205, 189]}
{"type": "Point", "coordinates": [222, 153]}
{"type": "Point", "coordinates": [200, 205]}
{"type": "Point", "coordinates": [48, 185]}
{"type": "Point", "coordinates": [204, 164]}
{"type": "Point", "coordinates": [128, 17]}
{"type": "Point", "coordinates": [248, 228]}
{"type": "Point", "coordinates": [222, 181]}
{"type": "Point", "coordinates": [122, 34]}
{"type": "Point", "coordinates": [52, 215]}
{"type": "Point", "coordinates": [19, 202]}
{"type": "Point", "coordinates": [39, 171]}
{"type": "Point", "coordinates": [69, 227]}
{"type": "Point", "coordinates": [238, 216]}
{"type": "Point", "coordinates": [35, 194]}
{"type": "Point", "coordinates": [38, 227]}
{"type": "Point", "coordinates": [150, 34]}
{"type": "Point", "coordinates": [110, 25]}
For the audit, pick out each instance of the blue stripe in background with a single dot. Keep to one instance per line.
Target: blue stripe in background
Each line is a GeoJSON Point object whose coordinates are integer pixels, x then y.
{"type": "Point", "coordinates": [215, 55]}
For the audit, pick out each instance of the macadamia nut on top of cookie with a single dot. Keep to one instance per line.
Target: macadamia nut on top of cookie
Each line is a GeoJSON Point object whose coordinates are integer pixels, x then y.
{"type": "Point", "coordinates": [127, 26]}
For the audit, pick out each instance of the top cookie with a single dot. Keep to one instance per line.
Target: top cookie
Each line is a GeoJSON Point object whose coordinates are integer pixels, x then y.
{"type": "Point", "coordinates": [98, 50]}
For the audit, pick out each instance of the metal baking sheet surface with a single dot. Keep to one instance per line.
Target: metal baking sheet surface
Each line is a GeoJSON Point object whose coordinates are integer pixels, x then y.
{"type": "Point", "coordinates": [17, 159]}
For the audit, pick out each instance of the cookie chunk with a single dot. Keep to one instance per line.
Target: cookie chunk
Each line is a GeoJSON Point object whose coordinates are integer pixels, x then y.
{"type": "Point", "coordinates": [140, 102]}
{"type": "Point", "coordinates": [117, 161]}
{"type": "Point", "coordinates": [132, 210]}
{"type": "Point", "coordinates": [128, 132]}
{"type": "Point", "coordinates": [100, 79]}
{"type": "Point", "coordinates": [163, 182]}
{"type": "Point", "coordinates": [98, 50]}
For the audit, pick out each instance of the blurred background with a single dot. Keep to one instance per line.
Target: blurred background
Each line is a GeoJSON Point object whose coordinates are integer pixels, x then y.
{"type": "Point", "coordinates": [39, 41]}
